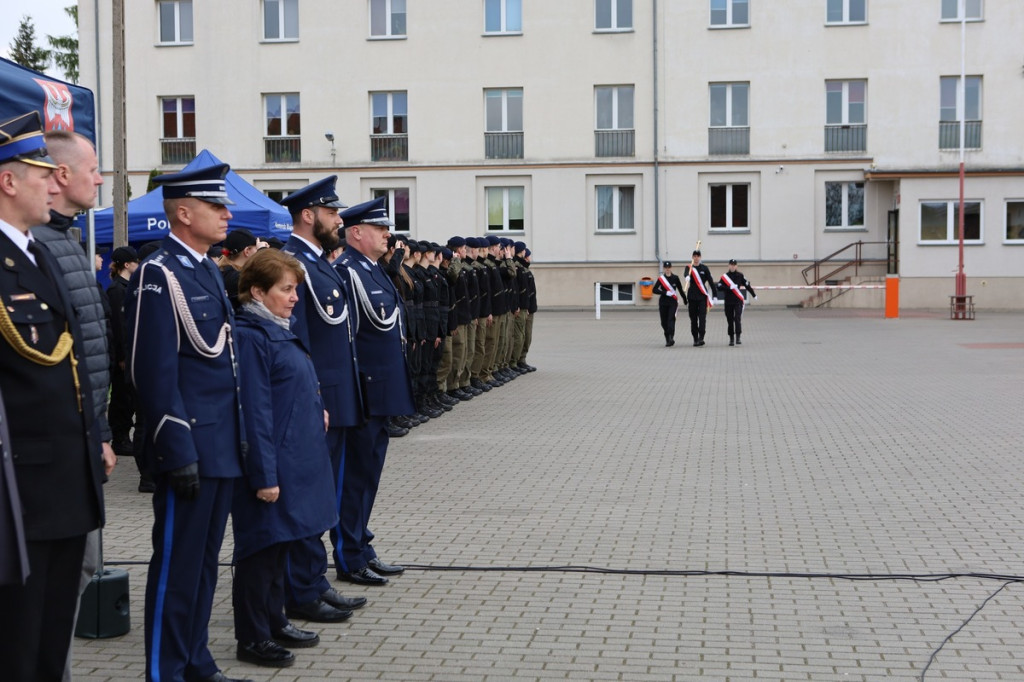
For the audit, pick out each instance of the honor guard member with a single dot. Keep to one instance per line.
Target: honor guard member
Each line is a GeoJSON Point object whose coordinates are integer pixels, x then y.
{"type": "Point", "coordinates": [324, 323]}
{"type": "Point", "coordinates": [54, 437]}
{"type": "Point", "coordinates": [384, 375]}
{"type": "Point", "coordinates": [668, 287]}
{"type": "Point", "coordinates": [699, 296]}
{"type": "Point", "coordinates": [523, 305]}
{"type": "Point", "coordinates": [182, 362]}
{"type": "Point", "coordinates": [734, 287]}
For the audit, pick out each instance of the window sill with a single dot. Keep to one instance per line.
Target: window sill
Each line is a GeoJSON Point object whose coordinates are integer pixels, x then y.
{"type": "Point", "coordinates": [499, 232]}
{"type": "Point", "coordinates": [725, 27]}
{"type": "Point", "coordinates": [967, 242]}
{"type": "Point", "coordinates": [272, 41]}
{"type": "Point", "coordinates": [188, 44]}
{"type": "Point", "coordinates": [615, 30]}
{"type": "Point", "coordinates": [957, 21]}
{"type": "Point", "coordinates": [845, 229]}
{"type": "Point", "coordinates": [1013, 242]}
{"type": "Point", "coordinates": [499, 34]}
{"type": "Point", "coordinates": [728, 230]}
{"type": "Point", "coordinates": [385, 38]}
{"type": "Point", "coordinates": [831, 24]}
{"type": "Point", "coordinates": [615, 232]}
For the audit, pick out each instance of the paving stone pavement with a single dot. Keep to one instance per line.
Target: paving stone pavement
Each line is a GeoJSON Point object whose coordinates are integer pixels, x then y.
{"type": "Point", "coordinates": [830, 442]}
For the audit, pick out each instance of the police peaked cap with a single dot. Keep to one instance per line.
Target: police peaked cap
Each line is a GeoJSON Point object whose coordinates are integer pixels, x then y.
{"type": "Point", "coordinates": [206, 184]}
{"type": "Point", "coordinates": [21, 139]}
{"type": "Point", "coordinates": [319, 193]}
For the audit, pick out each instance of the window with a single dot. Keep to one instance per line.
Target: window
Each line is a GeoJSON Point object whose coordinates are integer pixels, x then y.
{"type": "Point", "coordinates": [940, 222]}
{"type": "Point", "coordinates": [178, 144]}
{"type": "Point", "coordinates": [505, 209]}
{"type": "Point", "coordinates": [729, 132]}
{"type": "Point", "coordinates": [730, 13]}
{"type": "Point", "coordinates": [398, 206]}
{"type": "Point", "coordinates": [1015, 221]}
{"type": "Point", "coordinates": [387, 18]}
{"type": "Point", "coordinates": [613, 15]}
{"type": "Point", "coordinates": [175, 22]}
{"type": "Point", "coordinates": [845, 116]}
{"type": "Point", "coordinates": [389, 136]}
{"type": "Point", "coordinates": [503, 16]}
{"type": "Point", "coordinates": [281, 20]}
{"type": "Point", "coordinates": [844, 205]}
{"type": "Point", "coordinates": [614, 134]}
{"type": "Point", "coordinates": [846, 12]}
{"type": "Point", "coordinates": [730, 207]}
{"type": "Point", "coordinates": [615, 208]}
{"type": "Point", "coordinates": [503, 124]}
{"type": "Point", "coordinates": [282, 141]}
{"type": "Point", "coordinates": [616, 293]}
{"type": "Point", "coordinates": [951, 111]}
{"type": "Point", "coordinates": [951, 10]}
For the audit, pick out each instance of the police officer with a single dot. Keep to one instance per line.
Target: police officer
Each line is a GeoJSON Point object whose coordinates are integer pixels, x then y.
{"type": "Point", "coordinates": [699, 295]}
{"type": "Point", "coordinates": [380, 341]}
{"type": "Point", "coordinates": [734, 287]}
{"type": "Point", "coordinates": [54, 439]}
{"type": "Point", "coordinates": [324, 322]}
{"type": "Point", "coordinates": [668, 301]}
{"type": "Point", "coordinates": [182, 361]}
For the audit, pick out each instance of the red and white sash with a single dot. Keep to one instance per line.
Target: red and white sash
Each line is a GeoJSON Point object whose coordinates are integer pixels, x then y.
{"type": "Point", "coordinates": [669, 289]}
{"type": "Point", "coordinates": [700, 285]}
{"type": "Point", "coordinates": [732, 287]}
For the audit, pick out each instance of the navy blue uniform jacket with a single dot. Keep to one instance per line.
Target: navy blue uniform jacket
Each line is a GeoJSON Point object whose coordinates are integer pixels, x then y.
{"type": "Point", "coordinates": [285, 431]}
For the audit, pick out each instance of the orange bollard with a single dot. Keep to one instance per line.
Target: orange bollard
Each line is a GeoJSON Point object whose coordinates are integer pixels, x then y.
{"type": "Point", "coordinates": [892, 296]}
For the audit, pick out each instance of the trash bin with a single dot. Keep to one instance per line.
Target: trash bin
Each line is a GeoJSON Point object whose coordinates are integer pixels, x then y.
{"type": "Point", "coordinates": [646, 288]}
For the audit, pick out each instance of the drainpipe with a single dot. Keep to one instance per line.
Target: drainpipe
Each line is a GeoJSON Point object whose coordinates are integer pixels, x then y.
{"type": "Point", "coordinates": [657, 192]}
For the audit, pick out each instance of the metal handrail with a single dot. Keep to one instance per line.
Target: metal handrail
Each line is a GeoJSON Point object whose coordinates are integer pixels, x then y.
{"type": "Point", "coordinates": [855, 262]}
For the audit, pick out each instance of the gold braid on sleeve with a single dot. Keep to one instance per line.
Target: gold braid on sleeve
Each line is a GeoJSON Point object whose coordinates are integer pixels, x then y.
{"type": "Point", "coordinates": [62, 350]}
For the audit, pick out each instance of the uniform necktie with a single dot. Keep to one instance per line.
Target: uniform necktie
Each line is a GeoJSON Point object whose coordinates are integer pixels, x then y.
{"type": "Point", "coordinates": [38, 251]}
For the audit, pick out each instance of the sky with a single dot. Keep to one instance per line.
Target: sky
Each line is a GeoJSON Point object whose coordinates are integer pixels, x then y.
{"type": "Point", "coordinates": [47, 15]}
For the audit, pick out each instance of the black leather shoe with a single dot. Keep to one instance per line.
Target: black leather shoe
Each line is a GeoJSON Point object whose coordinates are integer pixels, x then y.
{"type": "Point", "coordinates": [339, 601]}
{"type": "Point", "coordinates": [291, 636]}
{"type": "Point", "coordinates": [221, 677]}
{"type": "Point", "coordinates": [268, 654]}
{"type": "Point", "coordinates": [396, 431]}
{"type": "Point", "coordinates": [364, 576]}
{"type": "Point", "coordinates": [146, 486]}
{"type": "Point", "coordinates": [480, 385]}
{"type": "Point", "coordinates": [317, 611]}
{"type": "Point", "coordinates": [382, 568]}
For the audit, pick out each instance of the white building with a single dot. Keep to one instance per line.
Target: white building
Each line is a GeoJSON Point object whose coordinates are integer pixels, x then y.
{"type": "Point", "coordinates": [609, 134]}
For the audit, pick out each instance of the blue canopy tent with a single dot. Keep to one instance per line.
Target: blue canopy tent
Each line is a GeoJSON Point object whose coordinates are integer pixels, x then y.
{"type": "Point", "coordinates": [61, 106]}
{"type": "Point", "coordinates": [253, 210]}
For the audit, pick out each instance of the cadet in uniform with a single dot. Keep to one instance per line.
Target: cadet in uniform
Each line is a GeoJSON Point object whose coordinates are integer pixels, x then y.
{"type": "Point", "coordinates": [384, 373]}
{"type": "Point", "coordinates": [699, 295]}
{"type": "Point", "coordinates": [531, 292]}
{"type": "Point", "coordinates": [324, 324]}
{"type": "Point", "coordinates": [182, 361]}
{"type": "Point", "coordinates": [668, 302]}
{"type": "Point", "coordinates": [54, 438]}
{"type": "Point", "coordinates": [734, 287]}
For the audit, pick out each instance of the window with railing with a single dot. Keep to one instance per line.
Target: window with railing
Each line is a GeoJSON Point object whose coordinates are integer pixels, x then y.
{"type": "Point", "coordinates": [178, 144]}
{"type": "Point", "coordinates": [282, 141]}
{"type": "Point", "coordinates": [389, 134]}
{"type": "Point", "coordinates": [614, 134]}
{"type": "Point", "coordinates": [503, 124]}
{"type": "Point", "coordinates": [729, 132]}
{"type": "Point", "coordinates": [952, 111]}
{"type": "Point", "coordinates": [846, 116]}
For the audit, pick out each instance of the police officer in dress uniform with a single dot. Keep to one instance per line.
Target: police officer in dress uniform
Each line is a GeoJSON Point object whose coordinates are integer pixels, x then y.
{"type": "Point", "coordinates": [325, 323]}
{"type": "Point", "coordinates": [734, 287]}
{"type": "Point", "coordinates": [182, 362]}
{"type": "Point", "coordinates": [54, 439]}
{"type": "Point", "coordinates": [387, 389]}
{"type": "Point", "coordinates": [699, 296]}
{"type": "Point", "coordinates": [668, 303]}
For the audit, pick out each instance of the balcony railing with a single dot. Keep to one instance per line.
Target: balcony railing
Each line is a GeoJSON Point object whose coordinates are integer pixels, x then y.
{"type": "Point", "coordinates": [177, 151]}
{"type": "Point", "coordinates": [389, 147]}
{"type": "Point", "coordinates": [846, 138]}
{"type": "Point", "coordinates": [728, 141]}
{"type": "Point", "coordinates": [503, 145]}
{"type": "Point", "coordinates": [614, 143]}
{"type": "Point", "coordinates": [283, 149]}
{"type": "Point", "coordinates": [949, 135]}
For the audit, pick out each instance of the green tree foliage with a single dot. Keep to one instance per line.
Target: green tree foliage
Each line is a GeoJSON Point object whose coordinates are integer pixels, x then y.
{"type": "Point", "coordinates": [65, 48]}
{"type": "Point", "coordinates": [23, 49]}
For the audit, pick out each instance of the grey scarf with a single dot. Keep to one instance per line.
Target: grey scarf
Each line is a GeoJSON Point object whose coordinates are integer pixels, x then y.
{"type": "Point", "coordinates": [259, 310]}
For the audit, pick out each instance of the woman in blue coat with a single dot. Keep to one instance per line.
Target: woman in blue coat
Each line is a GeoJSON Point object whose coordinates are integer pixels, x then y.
{"type": "Point", "coordinates": [287, 492]}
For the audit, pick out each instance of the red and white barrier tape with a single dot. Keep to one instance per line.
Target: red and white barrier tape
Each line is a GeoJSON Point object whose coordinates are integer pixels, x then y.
{"type": "Point", "coordinates": [825, 286]}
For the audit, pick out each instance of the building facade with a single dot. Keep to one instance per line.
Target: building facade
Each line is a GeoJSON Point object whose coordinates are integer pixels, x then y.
{"type": "Point", "coordinates": [610, 134]}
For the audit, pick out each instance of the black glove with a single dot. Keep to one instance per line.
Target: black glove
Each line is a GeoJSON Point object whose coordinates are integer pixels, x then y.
{"type": "Point", "coordinates": [185, 481]}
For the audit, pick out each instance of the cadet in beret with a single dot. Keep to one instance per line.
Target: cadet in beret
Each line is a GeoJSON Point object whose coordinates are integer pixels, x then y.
{"type": "Point", "coordinates": [239, 247]}
{"type": "Point", "coordinates": [182, 361]}
{"type": "Point", "coordinates": [325, 324]}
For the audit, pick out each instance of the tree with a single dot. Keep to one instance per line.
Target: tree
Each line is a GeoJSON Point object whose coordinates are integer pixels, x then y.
{"type": "Point", "coordinates": [65, 48]}
{"type": "Point", "coordinates": [24, 50]}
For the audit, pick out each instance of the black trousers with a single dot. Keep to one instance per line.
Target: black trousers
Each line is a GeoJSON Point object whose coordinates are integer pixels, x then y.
{"type": "Point", "coordinates": [122, 407]}
{"type": "Point", "coordinates": [257, 594]}
{"type": "Point", "coordinates": [734, 316]}
{"type": "Point", "coordinates": [698, 310]}
{"type": "Point", "coordinates": [667, 308]}
{"type": "Point", "coordinates": [37, 618]}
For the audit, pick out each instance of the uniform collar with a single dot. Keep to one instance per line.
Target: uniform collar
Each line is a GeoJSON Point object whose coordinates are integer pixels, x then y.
{"type": "Point", "coordinates": [20, 239]}
{"type": "Point", "coordinates": [200, 257]}
{"type": "Point", "coordinates": [315, 248]}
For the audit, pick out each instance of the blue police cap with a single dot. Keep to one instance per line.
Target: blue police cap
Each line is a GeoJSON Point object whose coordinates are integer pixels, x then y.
{"type": "Point", "coordinates": [206, 184]}
{"type": "Point", "coordinates": [319, 193]}
{"type": "Point", "coordinates": [372, 212]}
{"type": "Point", "coordinates": [21, 139]}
